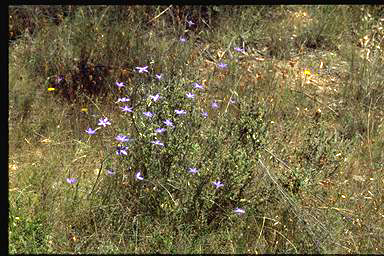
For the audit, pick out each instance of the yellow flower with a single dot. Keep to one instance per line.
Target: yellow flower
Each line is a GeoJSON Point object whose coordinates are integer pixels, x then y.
{"type": "Point", "coordinates": [84, 110]}
{"type": "Point", "coordinates": [51, 89]}
{"type": "Point", "coordinates": [307, 72]}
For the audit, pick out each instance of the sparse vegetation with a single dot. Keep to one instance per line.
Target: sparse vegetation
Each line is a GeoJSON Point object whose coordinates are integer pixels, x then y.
{"type": "Point", "coordinates": [196, 129]}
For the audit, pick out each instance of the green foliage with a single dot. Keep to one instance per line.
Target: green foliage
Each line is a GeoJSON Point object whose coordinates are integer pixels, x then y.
{"type": "Point", "coordinates": [27, 234]}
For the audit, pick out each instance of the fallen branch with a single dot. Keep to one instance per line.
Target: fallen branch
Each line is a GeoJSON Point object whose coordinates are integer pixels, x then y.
{"type": "Point", "coordinates": [312, 98]}
{"type": "Point", "coordinates": [157, 16]}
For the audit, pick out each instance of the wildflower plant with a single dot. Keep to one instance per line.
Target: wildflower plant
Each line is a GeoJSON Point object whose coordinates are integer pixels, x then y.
{"type": "Point", "coordinates": [171, 141]}
{"type": "Point", "coordinates": [239, 211]}
{"type": "Point", "coordinates": [190, 23]}
{"type": "Point", "coordinates": [111, 172]}
{"type": "Point", "coordinates": [198, 86]}
{"type": "Point", "coordinates": [104, 122]}
{"type": "Point", "coordinates": [238, 49]}
{"type": "Point", "coordinates": [174, 141]}
{"type": "Point", "coordinates": [126, 109]}
{"type": "Point", "coordinates": [90, 131]}
{"type": "Point", "coordinates": [222, 65]}
{"type": "Point", "coordinates": [142, 69]}
{"type": "Point", "coordinates": [217, 184]}
{"type": "Point", "coordinates": [183, 39]}
{"type": "Point", "coordinates": [71, 180]}
{"type": "Point", "coordinates": [159, 76]}
{"type": "Point", "coordinates": [120, 84]}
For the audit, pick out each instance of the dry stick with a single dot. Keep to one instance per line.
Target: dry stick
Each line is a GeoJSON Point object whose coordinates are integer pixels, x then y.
{"type": "Point", "coordinates": [337, 209]}
{"type": "Point", "coordinates": [284, 237]}
{"type": "Point", "coordinates": [312, 98]}
{"type": "Point", "coordinates": [157, 16]}
{"type": "Point", "coordinates": [94, 104]}
{"type": "Point", "coordinates": [168, 193]}
{"type": "Point", "coordinates": [98, 176]}
{"type": "Point", "coordinates": [261, 231]}
{"type": "Point", "coordinates": [165, 190]}
{"type": "Point", "coordinates": [290, 201]}
{"type": "Point", "coordinates": [280, 188]}
{"type": "Point", "coordinates": [368, 133]}
{"type": "Point", "coordinates": [278, 159]}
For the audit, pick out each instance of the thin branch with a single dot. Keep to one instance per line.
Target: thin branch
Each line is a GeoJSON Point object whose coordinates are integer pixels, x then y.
{"type": "Point", "coordinates": [157, 16]}
{"type": "Point", "coordinates": [314, 99]}
{"type": "Point", "coordinates": [261, 231]}
{"type": "Point", "coordinates": [285, 238]}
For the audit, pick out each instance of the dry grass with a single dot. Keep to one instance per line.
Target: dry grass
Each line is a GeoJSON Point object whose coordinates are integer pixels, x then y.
{"type": "Point", "coordinates": [318, 183]}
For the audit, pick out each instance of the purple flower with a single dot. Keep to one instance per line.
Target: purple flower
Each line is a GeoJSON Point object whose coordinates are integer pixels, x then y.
{"type": "Point", "coordinates": [122, 138]}
{"type": "Point", "coordinates": [142, 69]}
{"type": "Point", "coordinates": [183, 39]}
{"type": "Point", "coordinates": [138, 176]}
{"type": "Point", "coordinates": [239, 211]}
{"type": "Point", "coordinates": [155, 97]}
{"type": "Point", "coordinates": [157, 142]}
{"type": "Point", "coordinates": [160, 130]}
{"type": "Point", "coordinates": [121, 150]}
{"type": "Point", "coordinates": [190, 23]}
{"type": "Point", "coordinates": [104, 122]}
{"type": "Point", "coordinates": [168, 123]}
{"type": "Point", "coordinates": [120, 84]}
{"type": "Point", "coordinates": [238, 49]}
{"type": "Point", "coordinates": [148, 114]}
{"type": "Point", "coordinates": [198, 86]}
{"type": "Point", "coordinates": [71, 180]}
{"type": "Point", "coordinates": [217, 184]}
{"type": "Point", "coordinates": [215, 105]}
{"type": "Point", "coordinates": [180, 112]}
{"type": "Point", "coordinates": [222, 65]}
{"type": "Point", "coordinates": [90, 131]}
{"type": "Point", "coordinates": [110, 172]}
{"type": "Point", "coordinates": [193, 170]}
{"type": "Point", "coordinates": [126, 109]}
{"type": "Point", "coordinates": [190, 95]}
{"type": "Point", "coordinates": [204, 114]}
{"type": "Point", "coordinates": [59, 79]}
{"type": "Point", "coordinates": [159, 76]}
{"type": "Point", "coordinates": [125, 99]}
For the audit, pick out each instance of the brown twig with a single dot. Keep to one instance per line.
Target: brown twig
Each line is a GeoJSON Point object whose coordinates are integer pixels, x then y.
{"type": "Point", "coordinates": [157, 16]}
{"type": "Point", "coordinates": [312, 98]}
